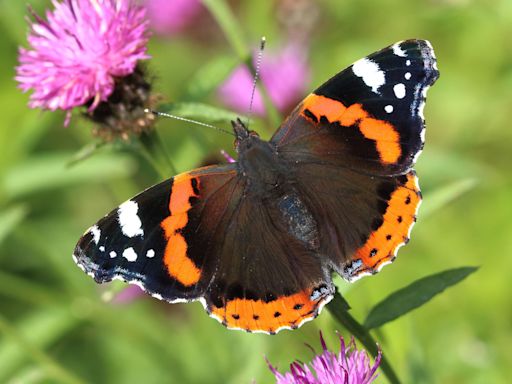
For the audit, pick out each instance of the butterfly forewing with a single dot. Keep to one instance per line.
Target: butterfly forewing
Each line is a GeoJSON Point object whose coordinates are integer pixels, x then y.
{"type": "Point", "coordinates": [146, 239]}
{"type": "Point", "coordinates": [368, 117]}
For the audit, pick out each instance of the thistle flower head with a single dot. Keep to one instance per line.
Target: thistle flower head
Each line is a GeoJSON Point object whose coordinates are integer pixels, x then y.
{"type": "Point", "coordinates": [77, 53]}
{"type": "Point", "coordinates": [348, 366]}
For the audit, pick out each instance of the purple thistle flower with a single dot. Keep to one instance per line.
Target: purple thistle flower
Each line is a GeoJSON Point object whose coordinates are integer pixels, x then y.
{"type": "Point", "coordinates": [76, 55]}
{"type": "Point", "coordinates": [168, 17]}
{"type": "Point", "coordinates": [349, 366]}
{"type": "Point", "coordinates": [285, 77]}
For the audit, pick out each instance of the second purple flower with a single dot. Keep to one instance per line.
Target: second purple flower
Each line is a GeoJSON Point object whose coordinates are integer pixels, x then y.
{"type": "Point", "coordinates": [285, 76]}
{"type": "Point", "coordinates": [348, 366]}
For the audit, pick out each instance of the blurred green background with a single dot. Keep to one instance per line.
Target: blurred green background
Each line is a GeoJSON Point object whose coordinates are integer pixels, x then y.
{"type": "Point", "coordinates": [56, 325]}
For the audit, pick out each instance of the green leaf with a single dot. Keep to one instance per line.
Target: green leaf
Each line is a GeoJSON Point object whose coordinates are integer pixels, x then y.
{"type": "Point", "coordinates": [49, 171]}
{"type": "Point", "coordinates": [26, 290]}
{"type": "Point", "coordinates": [85, 152]}
{"type": "Point", "coordinates": [414, 295]}
{"type": "Point", "coordinates": [209, 77]}
{"type": "Point", "coordinates": [198, 111]}
{"type": "Point", "coordinates": [10, 218]}
{"type": "Point", "coordinates": [29, 338]}
{"type": "Point", "coordinates": [444, 195]}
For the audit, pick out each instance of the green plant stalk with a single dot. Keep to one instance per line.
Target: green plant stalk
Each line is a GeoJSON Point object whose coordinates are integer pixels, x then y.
{"type": "Point", "coordinates": [26, 290]}
{"type": "Point", "coordinates": [52, 368]}
{"type": "Point", "coordinates": [155, 152]}
{"type": "Point", "coordinates": [339, 310]}
{"type": "Point", "coordinates": [231, 29]}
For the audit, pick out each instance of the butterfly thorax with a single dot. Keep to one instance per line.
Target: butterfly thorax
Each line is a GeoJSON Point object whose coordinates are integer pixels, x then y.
{"type": "Point", "coordinates": [257, 159]}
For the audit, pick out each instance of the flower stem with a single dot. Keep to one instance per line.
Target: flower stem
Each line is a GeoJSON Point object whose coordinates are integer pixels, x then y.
{"type": "Point", "coordinates": [227, 22]}
{"type": "Point", "coordinates": [339, 310]}
{"type": "Point", "coordinates": [52, 368]}
{"type": "Point", "coordinates": [155, 152]}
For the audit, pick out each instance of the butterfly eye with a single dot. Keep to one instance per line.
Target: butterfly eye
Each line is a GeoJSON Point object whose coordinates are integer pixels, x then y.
{"type": "Point", "coordinates": [236, 144]}
{"type": "Point", "coordinates": [246, 143]}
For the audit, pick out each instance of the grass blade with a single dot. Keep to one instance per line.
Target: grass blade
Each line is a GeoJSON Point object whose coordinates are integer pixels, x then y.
{"type": "Point", "coordinates": [444, 195]}
{"type": "Point", "coordinates": [10, 218]}
{"type": "Point", "coordinates": [29, 339]}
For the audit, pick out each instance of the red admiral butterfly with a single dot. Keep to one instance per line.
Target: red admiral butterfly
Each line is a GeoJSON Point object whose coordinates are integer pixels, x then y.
{"type": "Point", "coordinates": [256, 241]}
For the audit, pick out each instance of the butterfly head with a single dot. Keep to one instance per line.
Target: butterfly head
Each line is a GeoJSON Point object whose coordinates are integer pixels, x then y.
{"type": "Point", "coordinates": [244, 137]}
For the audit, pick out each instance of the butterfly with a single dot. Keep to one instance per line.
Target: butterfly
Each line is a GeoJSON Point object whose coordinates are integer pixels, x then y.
{"type": "Point", "coordinates": [257, 241]}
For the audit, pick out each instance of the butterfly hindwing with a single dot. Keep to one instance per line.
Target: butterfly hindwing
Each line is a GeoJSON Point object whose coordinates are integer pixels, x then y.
{"type": "Point", "coordinates": [368, 117]}
{"type": "Point", "coordinates": [264, 278]}
{"type": "Point", "coordinates": [365, 219]}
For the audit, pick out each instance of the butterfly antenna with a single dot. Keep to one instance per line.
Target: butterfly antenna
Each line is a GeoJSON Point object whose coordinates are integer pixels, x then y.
{"type": "Point", "coordinates": [256, 76]}
{"type": "Point", "coordinates": [164, 114]}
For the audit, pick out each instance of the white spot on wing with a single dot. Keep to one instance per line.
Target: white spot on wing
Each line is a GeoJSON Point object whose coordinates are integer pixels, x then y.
{"type": "Point", "coordinates": [431, 49]}
{"type": "Point", "coordinates": [417, 153]}
{"type": "Point", "coordinates": [407, 76]}
{"type": "Point", "coordinates": [408, 62]}
{"type": "Point", "coordinates": [399, 90]}
{"type": "Point", "coordinates": [112, 254]}
{"type": "Point", "coordinates": [129, 220]}
{"type": "Point", "coordinates": [388, 108]}
{"type": "Point", "coordinates": [370, 72]}
{"type": "Point", "coordinates": [102, 248]}
{"type": "Point", "coordinates": [129, 254]}
{"type": "Point", "coordinates": [96, 233]}
{"type": "Point", "coordinates": [421, 106]}
{"type": "Point", "coordinates": [398, 51]}
{"type": "Point", "coordinates": [150, 253]}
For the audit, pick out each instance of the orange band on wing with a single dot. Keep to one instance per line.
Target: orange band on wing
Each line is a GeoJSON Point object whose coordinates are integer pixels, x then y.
{"type": "Point", "coordinates": [258, 315]}
{"type": "Point", "coordinates": [323, 106]}
{"type": "Point", "coordinates": [399, 217]}
{"type": "Point", "coordinates": [383, 133]}
{"type": "Point", "coordinates": [385, 136]}
{"type": "Point", "coordinates": [178, 264]}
